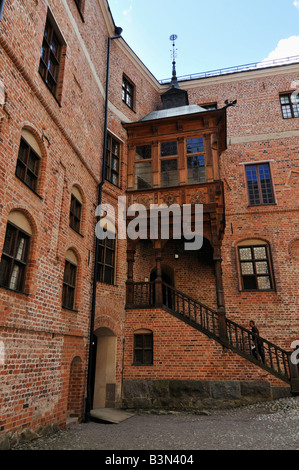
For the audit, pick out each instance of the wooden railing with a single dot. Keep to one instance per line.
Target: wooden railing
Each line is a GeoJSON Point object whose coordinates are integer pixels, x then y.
{"type": "Point", "coordinates": [242, 341]}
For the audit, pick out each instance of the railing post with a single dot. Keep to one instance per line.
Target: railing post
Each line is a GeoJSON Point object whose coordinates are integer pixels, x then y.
{"type": "Point", "coordinates": [220, 294]}
{"type": "Point", "coordinates": [130, 282]}
{"type": "Point", "coordinates": [294, 375]}
{"type": "Point", "coordinates": [158, 281]}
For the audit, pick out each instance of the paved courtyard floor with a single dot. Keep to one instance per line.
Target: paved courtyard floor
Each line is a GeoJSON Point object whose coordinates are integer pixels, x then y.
{"type": "Point", "coordinates": [263, 426]}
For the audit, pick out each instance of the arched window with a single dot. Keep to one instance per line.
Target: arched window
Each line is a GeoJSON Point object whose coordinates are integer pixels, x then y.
{"type": "Point", "coordinates": [28, 163]}
{"type": "Point", "coordinates": [143, 347]}
{"type": "Point", "coordinates": [15, 252]}
{"type": "Point", "coordinates": [69, 280]}
{"type": "Point", "coordinates": [255, 265]}
{"type": "Point", "coordinates": [76, 209]}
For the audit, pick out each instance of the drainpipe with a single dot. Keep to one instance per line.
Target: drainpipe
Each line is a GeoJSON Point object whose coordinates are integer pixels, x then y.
{"type": "Point", "coordinates": [1, 7]}
{"type": "Point", "coordinates": [88, 404]}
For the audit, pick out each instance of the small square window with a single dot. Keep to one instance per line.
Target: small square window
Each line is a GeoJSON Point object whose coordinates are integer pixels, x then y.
{"type": "Point", "coordinates": [255, 268]}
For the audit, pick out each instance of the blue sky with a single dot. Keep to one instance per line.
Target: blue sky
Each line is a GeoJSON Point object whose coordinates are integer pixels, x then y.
{"type": "Point", "coordinates": [211, 34]}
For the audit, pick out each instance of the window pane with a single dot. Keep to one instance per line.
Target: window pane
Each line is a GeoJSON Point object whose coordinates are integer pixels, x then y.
{"type": "Point", "coordinates": [266, 185]}
{"type": "Point", "coordinates": [196, 169]}
{"type": "Point", "coordinates": [247, 268]}
{"type": "Point", "coordinates": [195, 145]}
{"type": "Point", "coordinates": [260, 252]}
{"type": "Point", "coordinates": [249, 283]}
{"type": "Point", "coordinates": [262, 267]}
{"type": "Point", "coordinates": [143, 175]}
{"type": "Point", "coordinates": [169, 173]}
{"type": "Point", "coordinates": [245, 254]}
{"type": "Point", "coordinates": [138, 341]}
{"type": "Point", "coordinates": [252, 182]}
{"type": "Point", "coordinates": [264, 283]}
{"type": "Point", "coordinates": [143, 152]}
{"type": "Point", "coordinates": [169, 148]}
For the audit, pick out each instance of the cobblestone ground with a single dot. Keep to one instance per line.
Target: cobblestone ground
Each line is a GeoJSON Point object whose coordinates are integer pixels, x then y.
{"type": "Point", "coordinates": [267, 426]}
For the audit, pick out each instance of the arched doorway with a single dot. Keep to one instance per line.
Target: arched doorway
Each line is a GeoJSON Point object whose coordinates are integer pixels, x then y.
{"type": "Point", "coordinates": [168, 278]}
{"type": "Point", "coordinates": [105, 369]}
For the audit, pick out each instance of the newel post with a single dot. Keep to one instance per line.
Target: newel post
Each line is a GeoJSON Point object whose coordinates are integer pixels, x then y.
{"type": "Point", "coordinates": [220, 293]}
{"type": "Point", "coordinates": [158, 281]}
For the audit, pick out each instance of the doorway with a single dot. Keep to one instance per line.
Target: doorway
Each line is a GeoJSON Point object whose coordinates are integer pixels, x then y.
{"type": "Point", "coordinates": [105, 369]}
{"type": "Point", "coordinates": [168, 278]}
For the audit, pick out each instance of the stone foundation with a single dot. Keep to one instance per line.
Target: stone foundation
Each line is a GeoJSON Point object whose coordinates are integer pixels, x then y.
{"type": "Point", "coordinates": [193, 394]}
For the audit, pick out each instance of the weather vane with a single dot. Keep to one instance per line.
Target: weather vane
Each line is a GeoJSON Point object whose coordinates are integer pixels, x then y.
{"type": "Point", "coordinates": [173, 38]}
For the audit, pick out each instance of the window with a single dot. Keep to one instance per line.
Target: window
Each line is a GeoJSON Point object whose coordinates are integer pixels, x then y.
{"type": "Point", "coordinates": [112, 161]}
{"type": "Point", "coordinates": [259, 183]}
{"type": "Point", "coordinates": [128, 92]}
{"type": "Point", "coordinates": [196, 161]}
{"type": "Point", "coordinates": [143, 167]}
{"type": "Point", "coordinates": [15, 252]}
{"type": "Point", "coordinates": [51, 55]}
{"type": "Point", "coordinates": [255, 267]}
{"type": "Point", "coordinates": [289, 109]}
{"type": "Point", "coordinates": [169, 166]}
{"type": "Point", "coordinates": [209, 106]}
{"type": "Point", "coordinates": [143, 348]}
{"type": "Point", "coordinates": [28, 163]}
{"type": "Point", "coordinates": [69, 280]}
{"type": "Point", "coordinates": [76, 210]}
{"type": "Point", "coordinates": [106, 259]}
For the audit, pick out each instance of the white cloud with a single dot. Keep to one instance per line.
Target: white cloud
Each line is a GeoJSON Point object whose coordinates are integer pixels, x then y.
{"type": "Point", "coordinates": [296, 4]}
{"type": "Point", "coordinates": [288, 47]}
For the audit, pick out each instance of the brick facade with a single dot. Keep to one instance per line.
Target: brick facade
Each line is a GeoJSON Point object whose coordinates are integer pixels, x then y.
{"type": "Point", "coordinates": [44, 363]}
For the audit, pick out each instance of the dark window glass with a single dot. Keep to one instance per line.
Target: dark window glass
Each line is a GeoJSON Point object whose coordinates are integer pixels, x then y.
{"type": "Point", "coordinates": [143, 175]}
{"type": "Point", "coordinates": [106, 260]}
{"type": "Point", "coordinates": [50, 57]}
{"type": "Point", "coordinates": [195, 145]}
{"type": "Point", "coordinates": [69, 285]}
{"type": "Point", "coordinates": [75, 213]}
{"type": "Point", "coordinates": [28, 163]}
{"type": "Point", "coordinates": [143, 152]}
{"type": "Point", "coordinates": [127, 92]}
{"type": "Point", "coordinates": [255, 268]}
{"type": "Point", "coordinates": [259, 184]}
{"type": "Point", "coordinates": [169, 149]}
{"type": "Point", "coordinates": [169, 173]}
{"type": "Point", "coordinates": [14, 258]}
{"type": "Point", "coordinates": [289, 108]}
{"type": "Point", "coordinates": [112, 161]}
{"type": "Point", "coordinates": [143, 349]}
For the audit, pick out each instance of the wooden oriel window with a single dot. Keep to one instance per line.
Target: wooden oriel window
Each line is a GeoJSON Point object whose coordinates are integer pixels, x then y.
{"type": "Point", "coordinates": [14, 258]}
{"type": "Point", "coordinates": [112, 160]}
{"type": "Point", "coordinates": [255, 267]}
{"type": "Point", "coordinates": [289, 109]}
{"type": "Point", "coordinates": [128, 92]}
{"type": "Point", "coordinates": [69, 285]}
{"type": "Point", "coordinates": [143, 348]}
{"type": "Point", "coordinates": [259, 184]}
{"type": "Point", "coordinates": [50, 59]}
{"type": "Point", "coordinates": [28, 164]}
{"type": "Point", "coordinates": [106, 259]}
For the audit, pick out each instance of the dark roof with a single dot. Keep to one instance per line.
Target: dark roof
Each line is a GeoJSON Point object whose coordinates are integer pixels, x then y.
{"type": "Point", "coordinates": [171, 112]}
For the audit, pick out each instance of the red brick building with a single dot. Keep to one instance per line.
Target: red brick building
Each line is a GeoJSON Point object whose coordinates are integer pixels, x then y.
{"type": "Point", "coordinates": [169, 327]}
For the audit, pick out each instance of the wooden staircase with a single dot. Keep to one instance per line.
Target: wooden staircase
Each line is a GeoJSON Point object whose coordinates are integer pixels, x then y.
{"type": "Point", "coordinates": [229, 334]}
